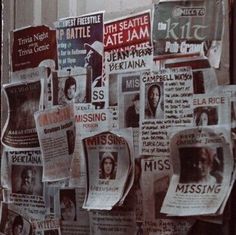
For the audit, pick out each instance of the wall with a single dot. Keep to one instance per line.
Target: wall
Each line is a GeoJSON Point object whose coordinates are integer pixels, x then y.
{"type": "Point", "coordinates": [20, 13]}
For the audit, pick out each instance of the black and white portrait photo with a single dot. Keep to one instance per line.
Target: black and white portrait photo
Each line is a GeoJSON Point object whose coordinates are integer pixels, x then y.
{"type": "Point", "coordinates": [154, 101]}
{"type": "Point", "coordinates": [202, 165]}
{"type": "Point", "coordinates": [27, 180]}
{"type": "Point", "coordinates": [108, 164]}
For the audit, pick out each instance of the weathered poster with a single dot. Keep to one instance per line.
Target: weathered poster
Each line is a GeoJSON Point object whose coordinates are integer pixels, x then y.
{"type": "Point", "coordinates": [166, 101]}
{"type": "Point", "coordinates": [155, 179]}
{"type": "Point", "coordinates": [118, 221]}
{"type": "Point", "coordinates": [23, 99]}
{"type": "Point", "coordinates": [211, 110]}
{"type": "Point", "coordinates": [32, 46]}
{"type": "Point", "coordinates": [204, 76]}
{"type": "Point", "coordinates": [80, 44]}
{"type": "Point", "coordinates": [91, 120]}
{"type": "Point", "coordinates": [203, 165]}
{"type": "Point", "coordinates": [127, 43]}
{"type": "Point", "coordinates": [109, 163]}
{"type": "Point", "coordinates": [68, 206]}
{"type": "Point", "coordinates": [34, 74]}
{"type": "Point", "coordinates": [129, 100]}
{"type": "Point", "coordinates": [23, 181]}
{"type": "Point", "coordinates": [47, 227]}
{"type": "Point", "coordinates": [188, 27]}
{"type": "Point", "coordinates": [56, 132]}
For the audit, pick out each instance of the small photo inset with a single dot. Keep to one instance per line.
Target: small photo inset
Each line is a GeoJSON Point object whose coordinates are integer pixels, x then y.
{"type": "Point", "coordinates": [205, 116]}
{"type": "Point", "coordinates": [108, 165]}
{"type": "Point", "coordinates": [131, 106]}
{"type": "Point", "coordinates": [68, 204]}
{"type": "Point", "coordinates": [154, 105]}
{"type": "Point", "coordinates": [202, 165]}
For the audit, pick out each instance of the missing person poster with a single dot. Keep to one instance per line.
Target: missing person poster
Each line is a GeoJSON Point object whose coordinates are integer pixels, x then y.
{"type": "Point", "coordinates": [56, 131]}
{"type": "Point", "coordinates": [109, 163]}
{"type": "Point", "coordinates": [32, 46]}
{"type": "Point", "coordinates": [68, 208]}
{"type": "Point", "coordinates": [127, 43]}
{"type": "Point", "coordinates": [129, 99]}
{"type": "Point", "coordinates": [23, 100]}
{"type": "Point", "coordinates": [25, 188]}
{"type": "Point", "coordinates": [203, 165]}
{"type": "Point", "coordinates": [92, 120]}
{"type": "Point", "coordinates": [166, 101]}
{"type": "Point", "coordinates": [188, 27]}
{"type": "Point", "coordinates": [155, 179]}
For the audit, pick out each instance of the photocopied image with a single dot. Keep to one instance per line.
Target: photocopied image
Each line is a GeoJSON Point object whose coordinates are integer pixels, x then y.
{"type": "Point", "coordinates": [204, 116]}
{"type": "Point", "coordinates": [93, 59]}
{"type": "Point", "coordinates": [68, 204]}
{"type": "Point", "coordinates": [13, 223]}
{"type": "Point", "coordinates": [202, 165]}
{"type": "Point", "coordinates": [154, 101]}
{"type": "Point", "coordinates": [69, 87]}
{"type": "Point", "coordinates": [132, 112]}
{"type": "Point", "coordinates": [27, 180]}
{"type": "Point", "coordinates": [108, 164]}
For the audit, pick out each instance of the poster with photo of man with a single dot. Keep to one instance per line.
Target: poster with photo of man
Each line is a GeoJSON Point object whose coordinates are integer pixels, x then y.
{"type": "Point", "coordinates": [70, 87]}
{"type": "Point", "coordinates": [154, 104]}
{"type": "Point", "coordinates": [27, 179]}
{"type": "Point", "coordinates": [13, 222]}
{"type": "Point", "coordinates": [129, 100]}
{"type": "Point", "coordinates": [25, 188]}
{"type": "Point", "coordinates": [80, 45]}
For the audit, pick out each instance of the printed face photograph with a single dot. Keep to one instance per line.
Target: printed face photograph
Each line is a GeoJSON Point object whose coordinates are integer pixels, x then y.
{"type": "Point", "coordinates": [108, 164]}
{"type": "Point", "coordinates": [27, 180]}
{"type": "Point", "coordinates": [14, 224]}
{"type": "Point", "coordinates": [94, 60]}
{"type": "Point", "coordinates": [17, 226]}
{"type": "Point", "coordinates": [201, 165]}
{"type": "Point", "coordinates": [154, 101]}
{"type": "Point", "coordinates": [131, 107]}
{"type": "Point", "coordinates": [205, 116]}
{"type": "Point", "coordinates": [68, 204]}
{"type": "Point", "coordinates": [70, 88]}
